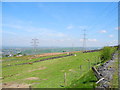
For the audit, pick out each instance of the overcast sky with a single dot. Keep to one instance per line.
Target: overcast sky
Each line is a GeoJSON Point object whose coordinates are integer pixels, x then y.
{"type": "Point", "coordinates": [60, 24]}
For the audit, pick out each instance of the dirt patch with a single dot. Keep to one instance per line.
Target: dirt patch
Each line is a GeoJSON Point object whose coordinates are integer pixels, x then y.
{"type": "Point", "coordinates": [14, 85]}
{"type": "Point", "coordinates": [40, 68]}
{"type": "Point", "coordinates": [50, 54]}
{"type": "Point", "coordinates": [44, 79]}
{"type": "Point", "coordinates": [18, 74]}
{"type": "Point", "coordinates": [62, 70]}
{"type": "Point", "coordinates": [47, 54]}
{"type": "Point", "coordinates": [71, 70]}
{"type": "Point", "coordinates": [43, 55]}
{"type": "Point", "coordinates": [32, 78]}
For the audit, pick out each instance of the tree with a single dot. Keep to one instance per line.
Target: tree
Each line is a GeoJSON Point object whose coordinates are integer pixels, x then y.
{"type": "Point", "coordinates": [64, 51]}
{"type": "Point", "coordinates": [6, 55]}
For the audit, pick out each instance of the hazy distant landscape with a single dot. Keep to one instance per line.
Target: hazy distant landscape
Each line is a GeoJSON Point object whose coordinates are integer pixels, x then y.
{"type": "Point", "coordinates": [31, 51]}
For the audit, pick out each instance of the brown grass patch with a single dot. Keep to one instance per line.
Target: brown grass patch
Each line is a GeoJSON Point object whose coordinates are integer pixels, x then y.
{"type": "Point", "coordinates": [40, 68]}
{"type": "Point", "coordinates": [14, 85]}
{"type": "Point", "coordinates": [32, 78]}
{"type": "Point", "coordinates": [71, 70]}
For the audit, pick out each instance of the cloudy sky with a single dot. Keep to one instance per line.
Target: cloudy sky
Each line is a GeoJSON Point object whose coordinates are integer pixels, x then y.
{"type": "Point", "coordinates": [60, 24]}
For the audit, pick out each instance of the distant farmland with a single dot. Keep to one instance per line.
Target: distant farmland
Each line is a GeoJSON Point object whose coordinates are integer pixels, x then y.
{"type": "Point", "coordinates": [31, 51]}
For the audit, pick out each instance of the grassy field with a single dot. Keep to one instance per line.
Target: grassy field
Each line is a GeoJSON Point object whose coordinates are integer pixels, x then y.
{"type": "Point", "coordinates": [23, 59]}
{"type": "Point", "coordinates": [51, 73]}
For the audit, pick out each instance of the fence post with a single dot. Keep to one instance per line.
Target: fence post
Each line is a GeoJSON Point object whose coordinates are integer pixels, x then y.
{"type": "Point", "coordinates": [30, 87]}
{"type": "Point", "coordinates": [65, 79]}
{"type": "Point", "coordinates": [97, 74]}
{"type": "Point", "coordinates": [81, 68]}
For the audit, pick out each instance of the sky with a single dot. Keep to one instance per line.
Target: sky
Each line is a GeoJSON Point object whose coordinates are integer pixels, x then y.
{"type": "Point", "coordinates": [60, 24]}
{"type": "Point", "coordinates": [60, 0]}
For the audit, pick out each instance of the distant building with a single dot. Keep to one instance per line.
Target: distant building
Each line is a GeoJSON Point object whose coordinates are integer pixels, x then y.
{"type": "Point", "coordinates": [19, 55]}
{"type": "Point", "coordinates": [10, 55]}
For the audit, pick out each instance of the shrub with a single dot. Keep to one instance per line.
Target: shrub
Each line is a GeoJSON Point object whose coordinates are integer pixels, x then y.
{"type": "Point", "coordinates": [64, 51]}
{"type": "Point", "coordinates": [24, 54]}
{"type": "Point", "coordinates": [15, 55]}
{"type": "Point", "coordinates": [6, 55]}
{"type": "Point", "coordinates": [106, 54]}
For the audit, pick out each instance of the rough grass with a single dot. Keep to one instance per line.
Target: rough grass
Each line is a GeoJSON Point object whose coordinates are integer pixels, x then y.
{"type": "Point", "coordinates": [87, 80]}
{"type": "Point", "coordinates": [50, 73]}
{"type": "Point", "coordinates": [53, 75]}
{"type": "Point", "coordinates": [106, 53]}
{"type": "Point", "coordinates": [23, 59]}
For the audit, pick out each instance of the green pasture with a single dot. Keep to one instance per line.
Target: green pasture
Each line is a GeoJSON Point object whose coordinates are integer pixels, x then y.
{"type": "Point", "coordinates": [23, 59]}
{"type": "Point", "coordinates": [52, 76]}
{"type": "Point", "coordinates": [71, 71]}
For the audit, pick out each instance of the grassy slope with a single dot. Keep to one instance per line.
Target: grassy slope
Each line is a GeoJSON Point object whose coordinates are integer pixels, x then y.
{"type": "Point", "coordinates": [86, 81]}
{"type": "Point", "coordinates": [53, 75]}
{"type": "Point", "coordinates": [23, 59]}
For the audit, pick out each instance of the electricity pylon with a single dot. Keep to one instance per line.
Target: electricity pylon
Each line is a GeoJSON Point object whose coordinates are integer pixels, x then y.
{"type": "Point", "coordinates": [34, 43]}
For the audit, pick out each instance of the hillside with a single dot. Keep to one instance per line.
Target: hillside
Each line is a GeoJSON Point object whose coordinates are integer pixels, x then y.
{"type": "Point", "coordinates": [54, 73]}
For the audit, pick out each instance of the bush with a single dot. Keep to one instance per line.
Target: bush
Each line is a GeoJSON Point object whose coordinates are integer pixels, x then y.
{"type": "Point", "coordinates": [24, 54]}
{"type": "Point", "coordinates": [106, 54]}
{"type": "Point", "coordinates": [6, 55]}
{"type": "Point", "coordinates": [15, 55]}
{"type": "Point", "coordinates": [64, 51]}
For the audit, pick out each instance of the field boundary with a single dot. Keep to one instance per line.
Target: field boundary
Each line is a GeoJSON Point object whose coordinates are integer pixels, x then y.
{"type": "Point", "coordinates": [42, 60]}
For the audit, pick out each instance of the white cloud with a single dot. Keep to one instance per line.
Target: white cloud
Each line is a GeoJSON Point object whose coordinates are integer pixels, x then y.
{"type": "Point", "coordinates": [25, 28]}
{"type": "Point", "coordinates": [81, 40]}
{"type": "Point", "coordinates": [83, 27]}
{"type": "Point", "coordinates": [70, 27]}
{"type": "Point", "coordinates": [61, 40]}
{"type": "Point", "coordinates": [43, 32]}
{"type": "Point", "coordinates": [103, 31]}
{"type": "Point", "coordinates": [53, 34]}
{"type": "Point", "coordinates": [92, 40]}
{"type": "Point", "coordinates": [80, 27]}
{"type": "Point", "coordinates": [112, 43]}
{"type": "Point", "coordinates": [110, 36]}
{"type": "Point", "coordinates": [9, 32]}
{"type": "Point", "coordinates": [12, 26]}
{"type": "Point", "coordinates": [117, 28]}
